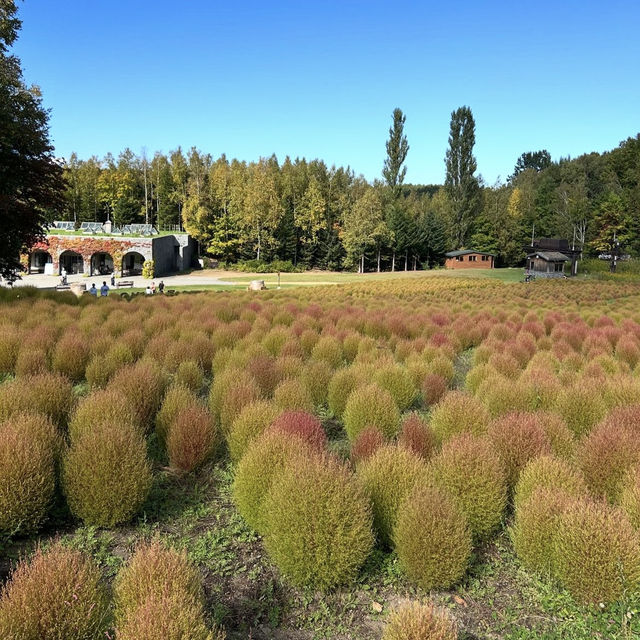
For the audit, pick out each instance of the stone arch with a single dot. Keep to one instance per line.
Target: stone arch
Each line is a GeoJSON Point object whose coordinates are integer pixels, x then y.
{"type": "Point", "coordinates": [38, 261]}
{"type": "Point", "coordinates": [101, 263]}
{"type": "Point", "coordinates": [71, 261]}
{"type": "Point", "coordinates": [132, 262]}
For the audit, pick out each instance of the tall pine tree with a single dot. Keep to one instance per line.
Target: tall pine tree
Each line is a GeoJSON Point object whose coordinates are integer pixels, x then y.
{"type": "Point", "coordinates": [461, 184]}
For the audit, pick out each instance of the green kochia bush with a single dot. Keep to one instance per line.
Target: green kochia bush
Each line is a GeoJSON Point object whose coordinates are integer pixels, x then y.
{"type": "Point", "coordinates": [432, 539]}
{"type": "Point", "coordinates": [101, 406]}
{"type": "Point", "coordinates": [420, 622]}
{"type": "Point", "coordinates": [397, 381]}
{"type": "Point", "coordinates": [469, 470]}
{"type": "Point", "coordinates": [264, 460]}
{"type": "Point", "coordinates": [371, 406]}
{"type": "Point", "coordinates": [597, 553]}
{"type": "Point", "coordinates": [29, 447]}
{"type": "Point", "coordinates": [318, 523]}
{"type": "Point", "coordinates": [106, 474]}
{"type": "Point", "coordinates": [457, 413]}
{"type": "Point", "coordinates": [249, 424]}
{"type": "Point", "coordinates": [388, 477]}
{"type": "Point", "coordinates": [56, 595]}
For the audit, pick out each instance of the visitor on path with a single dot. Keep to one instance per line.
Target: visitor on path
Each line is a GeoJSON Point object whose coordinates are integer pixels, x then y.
{"type": "Point", "coordinates": [148, 290]}
{"type": "Point", "coordinates": [93, 291]}
{"type": "Point", "coordinates": [113, 279]}
{"type": "Point", "coordinates": [104, 289]}
{"type": "Point", "coordinates": [153, 287]}
{"type": "Point", "coordinates": [161, 286]}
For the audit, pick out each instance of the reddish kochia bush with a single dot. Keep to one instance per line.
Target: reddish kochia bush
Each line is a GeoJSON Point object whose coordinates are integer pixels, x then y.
{"type": "Point", "coordinates": [417, 436]}
{"type": "Point", "coordinates": [191, 439]}
{"type": "Point", "coordinates": [517, 438]}
{"type": "Point", "coordinates": [301, 424]}
{"type": "Point", "coordinates": [368, 441]}
{"type": "Point", "coordinates": [433, 388]}
{"type": "Point", "coordinates": [31, 362]}
{"type": "Point", "coordinates": [56, 595]}
{"type": "Point", "coordinates": [71, 356]}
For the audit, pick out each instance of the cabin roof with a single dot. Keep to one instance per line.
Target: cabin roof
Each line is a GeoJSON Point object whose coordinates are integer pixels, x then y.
{"type": "Point", "coordinates": [549, 256]}
{"type": "Point", "coordinates": [466, 252]}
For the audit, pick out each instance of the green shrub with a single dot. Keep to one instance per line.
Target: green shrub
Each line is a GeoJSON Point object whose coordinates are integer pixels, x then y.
{"type": "Point", "coordinates": [49, 394]}
{"type": "Point", "coordinates": [458, 413]}
{"type": "Point", "coordinates": [249, 424]}
{"type": "Point", "coordinates": [432, 539]}
{"type": "Point", "coordinates": [316, 376]}
{"type": "Point", "coordinates": [581, 406]}
{"type": "Point", "coordinates": [597, 553]}
{"type": "Point", "coordinates": [56, 594]}
{"type": "Point", "coordinates": [148, 269]}
{"type": "Point", "coordinates": [329, 350]}
{"type": "Point", "coordinates": [264, 460]}
{"type": "Point", "coordinates": [368, 441]}
{"type": "Point", "coordinates": [29, 448]}
{"type": "Point", "coordinates": [630, 496]}
{"type": "Point", "coordinates": [501, 395]}
{"type": "Point", "coordinates": [143, 384]}
{"type": "Point", "coordinates": [70, 356]}
{"type": "Point", "coordinates": [155, 570]}
{"type": "Point", "coordinates": [318, 523]}
{"type": "Point", "coordinates": [9, 348]}
{"type": "Point", "coordinates": [341, 385]}
{"type": "Point", "coordinates": [397, 381]}
{"type": "Point", "coordinates": [420, 622]}
{"type": "Point", "coordinates": [388, 477]}
{"type": "Point", "coordinates": [293, 395]}
{"type": "Point", "coordinates": [416, 436]}
{"type": "Point", "coordinates": [191, 439]}
{"type": "Point", "coordinates": [517, 438]}
{"type": "Point", "coordinates": [104, 405]}
{"type": "Point", "coordinates": [190, 375]}
{"type": "Point", "coordinates": [470, 471]}
{"type": "Point", "coordinates": [605, 456]}
{"type": "Point", "coordinates": [106, 475]}
{"type": "Point", "coordinates": [549, 473]}
{"type": "Point", "coordinates": [371, 406]}
{"type": "Point", "coordinates": [100, 370]}
{"type": "Point", "coordinates": [230, 392]}
{"type": "Point", "coordinates": [535, 527]}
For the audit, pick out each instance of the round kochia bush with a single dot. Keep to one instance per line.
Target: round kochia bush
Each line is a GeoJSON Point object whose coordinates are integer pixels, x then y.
{"type": "Point", "coordinates": [101, 406]}
{"type": "Point", "coordinates": [191, 439]}
{"type": "Point", "coordinates": [457, 413]}
{"type": "Point", "coordinates": [420, 622]}
{"type": "Point", "coordinates": [155, 570]}
{"type": "Point", "coordinates": [417, 436]}
{"type": "Point", "coordinates": [71, 356]}
{"type": "Point", "coordinates": [56, 594]}
{"type": "Point", "coordinates": [318, 523]}
{"type": "Point", "coordinates": [388, 477]}
{"type": "Point", "coordinates": [249, 424]}
{"type": "Point", "coordinates": [397, 381]}
{"type": "Point", "coordinates": [369, 440]}
{"type": "Point", "coordinates": [432, 538]}
{"type": "Point", "coordinates": [371, 406]}
{"type": "Point", "coordinates": [597, 553]}
{"type": "Point", "coordinates": [341, 385]}
{"type": "Point", "coordinates": [264, 460]}
{"type": "Point", "coordinates": [177, 399]}
{"type": "Point", "coordinates": [301, 424]}
{"type": "Point", "coordinates": [106, 475]}
{"type": "Point", "coordinates": [29, 446]}
{"type": "Point", "coordinates": [469, 470]}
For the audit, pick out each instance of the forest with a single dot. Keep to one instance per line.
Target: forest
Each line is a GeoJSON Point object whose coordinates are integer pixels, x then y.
{"type": "Point", "coordinates": [317, 216]}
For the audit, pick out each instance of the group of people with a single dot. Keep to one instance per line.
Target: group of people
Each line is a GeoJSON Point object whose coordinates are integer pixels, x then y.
{"type": "Point", "coordinates": [104, 289]}
{"type": "Point", "coordinates": [151, 288]}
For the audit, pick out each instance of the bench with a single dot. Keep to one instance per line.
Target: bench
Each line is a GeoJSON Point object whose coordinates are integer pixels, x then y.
{"type": "Point", "coordinates": [63, 287]}
{"type": "Point", "coordinates": [124, 283]}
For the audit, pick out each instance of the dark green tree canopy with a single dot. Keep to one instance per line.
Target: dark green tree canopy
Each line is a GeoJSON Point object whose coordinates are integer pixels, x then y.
{"type": "Point", "coordinates": [30, 180]}
{"type": "Point", "coordinates": [397, 149]}
{"type": "Point", "coordinates": [536, 160]}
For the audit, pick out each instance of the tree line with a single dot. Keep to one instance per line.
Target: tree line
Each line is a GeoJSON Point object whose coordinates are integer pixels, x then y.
{"type": "Point", "coordinates": [329, 217]}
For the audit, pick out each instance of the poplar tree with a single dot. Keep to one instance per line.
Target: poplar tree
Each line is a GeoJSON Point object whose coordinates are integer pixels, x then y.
{"type": "Point", "coordinates": [461, 184]}
{"type": "Point", "coordinates": [31, 182]}
{"type": "Point", "coordinates": [397, 149]}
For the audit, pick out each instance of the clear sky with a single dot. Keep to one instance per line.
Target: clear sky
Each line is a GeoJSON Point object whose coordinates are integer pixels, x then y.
{"type": "Point", "coordinates": [320, 79]}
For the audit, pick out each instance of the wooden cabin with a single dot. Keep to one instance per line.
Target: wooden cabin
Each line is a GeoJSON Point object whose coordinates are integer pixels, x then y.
{"type": "Point", "coordinates": [468, 259]}
{"type": "Point", "coordinates": [546, 264]}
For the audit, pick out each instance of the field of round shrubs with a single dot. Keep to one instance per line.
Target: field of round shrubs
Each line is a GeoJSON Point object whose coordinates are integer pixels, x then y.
{"type": "Point", "coordinates": [429, 458]}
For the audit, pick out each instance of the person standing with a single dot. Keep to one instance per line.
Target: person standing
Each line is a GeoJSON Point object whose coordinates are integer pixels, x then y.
{"type": "Point", "coordinates": [93, 291]}
{"type": "Point", "coordinates": [113, 279]}
{"type": "Point", "coordinates": [161, 286]}
{"type": "Point", "coordinates": [153, 287]}
{"type": "Point", "coordinates": [104, 289]}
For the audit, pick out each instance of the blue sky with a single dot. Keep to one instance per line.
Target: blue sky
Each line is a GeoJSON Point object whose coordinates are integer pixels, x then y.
{"type": "Point", "coordinates": [321, 79]}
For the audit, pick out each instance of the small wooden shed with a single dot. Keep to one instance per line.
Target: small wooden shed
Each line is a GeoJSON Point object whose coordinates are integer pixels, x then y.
{"type": "Point", "coordinates": [546, 264]}
{"type": "Point", "coordinates": [469, 259]}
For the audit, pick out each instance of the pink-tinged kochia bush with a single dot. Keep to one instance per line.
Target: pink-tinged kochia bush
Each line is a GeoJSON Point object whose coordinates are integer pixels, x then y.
{"type": "Point", "coordinates": [191, 439]}
{"type": "Point", "coordinates": [417, 436]}
{"type": "Point", "coordinates": [367, 442]}
{"type": "Point", "coordinates": [309, 502]}
{"type": "Point", "coordinates": [432, 539]}
{"type": "Point", "coordinates": [416, 621]}
{"type": "Point", "coordinates": [54, 595]}
{"type": "Point", "coordinates": [433, 388]}
{"type": "Point", "coordinates": [31, 362]}
{"type": "Point", "coordinates": [303, 425]}
{"type": "Point", "coordinates": [71, 356]}
{"type": "Point", "coordinates": [388, 477]}
{"type": "Point", "coordinates": [370, 405]}
{"type": "Point", "coordinates": [469, 470]}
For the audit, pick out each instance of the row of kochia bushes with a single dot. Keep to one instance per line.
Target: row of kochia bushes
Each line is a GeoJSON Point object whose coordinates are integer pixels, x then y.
{"type": "Point", "coordinates": [59, 593]}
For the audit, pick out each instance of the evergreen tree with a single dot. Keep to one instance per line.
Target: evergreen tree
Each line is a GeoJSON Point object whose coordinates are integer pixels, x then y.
{"type": "Point", "coordinates": [536, 160]}
{"type": "Point", "coordinates": [461, 184]}
{"type": "Point", "coordinates": [31, 182]}
{"type": "Point", "coordinates": [397, 149]}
